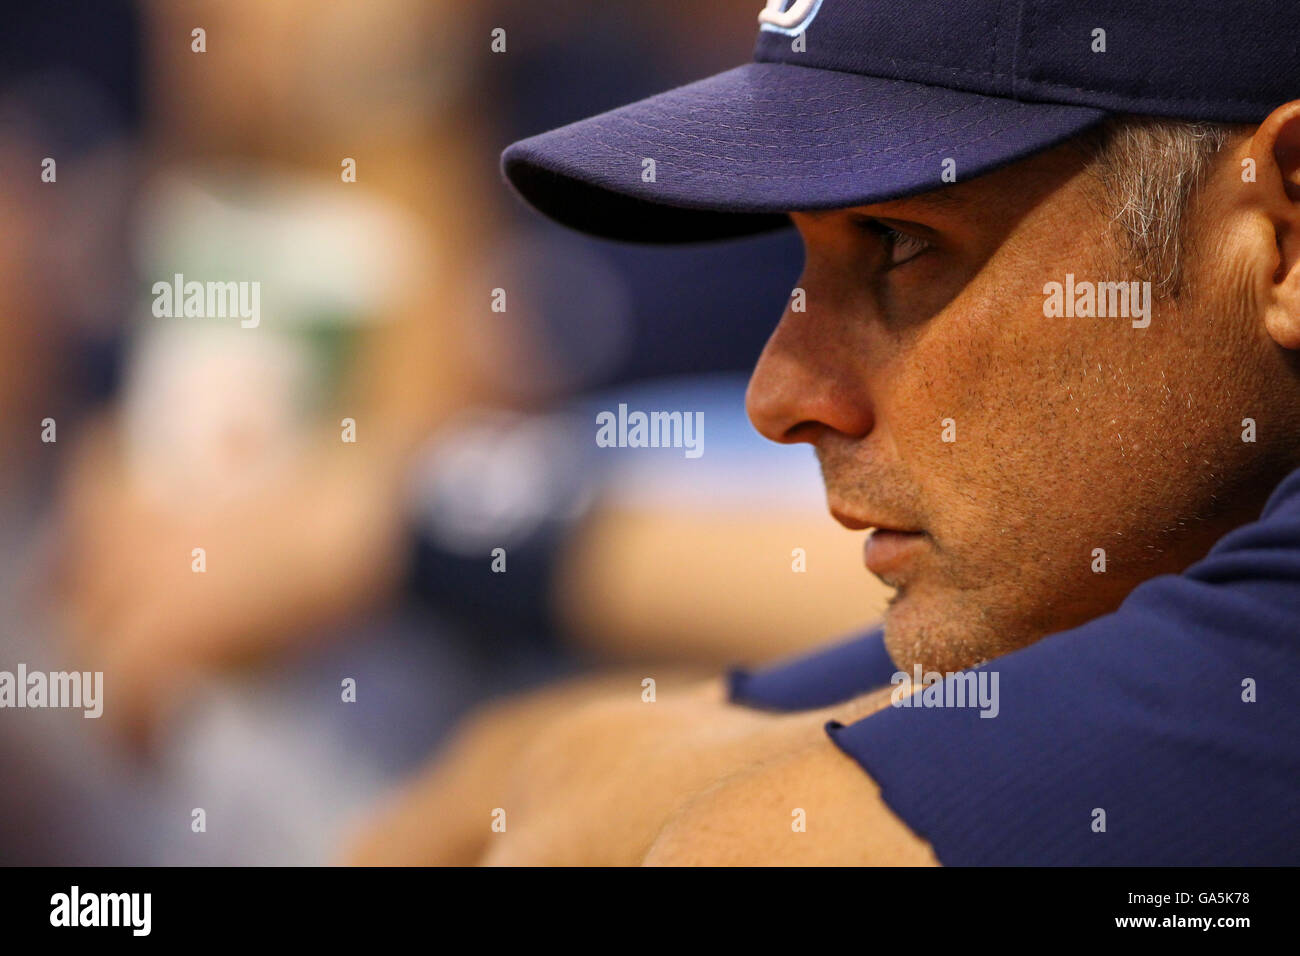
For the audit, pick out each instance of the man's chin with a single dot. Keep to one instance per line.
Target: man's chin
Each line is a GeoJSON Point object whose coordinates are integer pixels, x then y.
{"type": "Point", "coordinates": [927, 631]}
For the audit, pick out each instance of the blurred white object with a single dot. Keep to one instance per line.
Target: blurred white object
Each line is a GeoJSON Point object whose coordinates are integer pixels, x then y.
{"type": "Point", "coordinates": [214, 409]}
{"type": "Point", "coordinates": [212, 412]}
{"type": "Point", "coordinates": [324, 252]}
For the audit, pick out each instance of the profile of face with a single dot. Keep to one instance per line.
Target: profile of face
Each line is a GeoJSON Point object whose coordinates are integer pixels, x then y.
{"type": "Point", "coordinates": [1030, 469]}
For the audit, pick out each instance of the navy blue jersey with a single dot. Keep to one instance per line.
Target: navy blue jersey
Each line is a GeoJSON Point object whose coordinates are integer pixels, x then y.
{"type": "Point", "coordinates": [1165, 733]}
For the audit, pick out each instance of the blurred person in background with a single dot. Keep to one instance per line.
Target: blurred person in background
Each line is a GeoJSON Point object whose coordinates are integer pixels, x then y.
{"type": "Point", "coordinates": [229, 438]}
{"type": "Point", "coordinates": [215, 438]}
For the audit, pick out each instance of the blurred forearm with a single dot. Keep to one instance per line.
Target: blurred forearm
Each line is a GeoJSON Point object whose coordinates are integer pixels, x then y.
{"type": "Point", "coordinates": [712, 588]}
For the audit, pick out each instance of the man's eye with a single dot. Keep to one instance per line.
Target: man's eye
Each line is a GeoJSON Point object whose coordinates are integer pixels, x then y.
{"type": "Point", "coordinates": [899, 246]}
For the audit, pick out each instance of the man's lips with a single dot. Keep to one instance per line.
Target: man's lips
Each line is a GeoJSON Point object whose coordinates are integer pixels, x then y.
{"type": "Point", "coordinates": [860, 522]}
{"type": "Point", "coordinates": [887, 551]}
{"type": "Point", "coordinates": [888, 547]}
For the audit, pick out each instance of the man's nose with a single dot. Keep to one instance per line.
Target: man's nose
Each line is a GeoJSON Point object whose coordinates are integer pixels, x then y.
{"type": "Point", "coordinates": [809, 378]}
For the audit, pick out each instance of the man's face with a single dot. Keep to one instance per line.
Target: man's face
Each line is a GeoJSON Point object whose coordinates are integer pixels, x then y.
{"type": "Point", "coordinates": [942, 401]}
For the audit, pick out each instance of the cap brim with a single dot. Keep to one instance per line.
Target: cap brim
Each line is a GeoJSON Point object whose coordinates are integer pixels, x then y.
{"type": "Point", "coordinates": [734, 153]}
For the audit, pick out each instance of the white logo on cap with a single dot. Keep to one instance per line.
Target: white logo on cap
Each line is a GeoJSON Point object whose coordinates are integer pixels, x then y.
{"type": "Point", "coordinates": [788, 16]}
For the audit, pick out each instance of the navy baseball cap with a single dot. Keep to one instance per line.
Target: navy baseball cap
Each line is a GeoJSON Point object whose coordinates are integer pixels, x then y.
{"type": "Point", "coordinates": [851, 102]}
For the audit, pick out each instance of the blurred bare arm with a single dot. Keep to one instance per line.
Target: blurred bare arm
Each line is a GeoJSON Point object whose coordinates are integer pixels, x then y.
{"type": "Point", "coordinates": [443, 816]}
{"type": "Point", "coordinates": [713, 588]}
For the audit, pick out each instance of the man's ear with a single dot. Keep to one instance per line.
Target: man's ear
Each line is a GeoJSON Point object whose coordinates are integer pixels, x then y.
{"type": "Point", "coordinates": [1275, 152]}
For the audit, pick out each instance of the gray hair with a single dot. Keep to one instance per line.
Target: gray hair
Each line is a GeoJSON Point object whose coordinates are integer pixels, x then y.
{"type": "Point", "coordinates": [1148, 170]}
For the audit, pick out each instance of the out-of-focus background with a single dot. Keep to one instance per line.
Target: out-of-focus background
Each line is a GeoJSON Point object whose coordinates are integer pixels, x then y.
{"type": "Point", "coordinates": [391, 467]}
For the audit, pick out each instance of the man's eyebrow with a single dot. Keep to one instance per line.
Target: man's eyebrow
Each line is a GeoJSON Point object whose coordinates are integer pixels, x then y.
{"type": "Point", "coordinates": [935, 199]}
{"type": "Point", "coordinates": [940, 198]}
